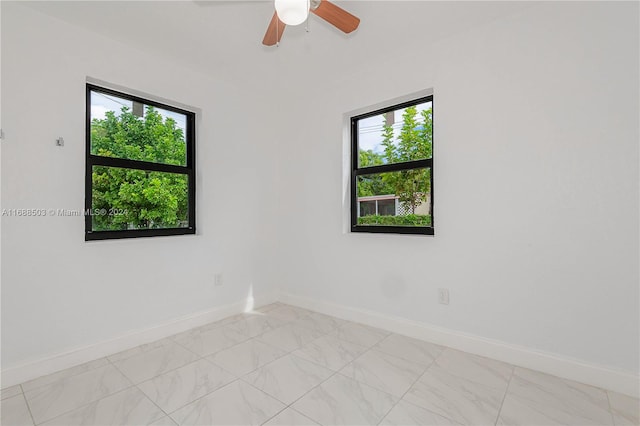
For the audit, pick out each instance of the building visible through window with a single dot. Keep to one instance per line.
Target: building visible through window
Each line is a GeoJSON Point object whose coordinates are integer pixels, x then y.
{"type": "Point", "coordinates": [392, 169]}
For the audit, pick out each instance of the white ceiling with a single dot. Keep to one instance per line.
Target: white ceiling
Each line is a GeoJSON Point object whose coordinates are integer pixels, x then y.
{"type": "Point", "coordinates": [224, 37]}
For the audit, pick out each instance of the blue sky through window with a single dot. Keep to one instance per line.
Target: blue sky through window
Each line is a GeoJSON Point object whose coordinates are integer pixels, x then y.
{"type": "Point", "coordinates": [101, 103]}
{"type": "Point", "coordinates": [370, 129]}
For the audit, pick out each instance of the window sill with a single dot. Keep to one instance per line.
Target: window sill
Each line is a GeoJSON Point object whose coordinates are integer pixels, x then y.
{"type": "Point", "coordinates": [406, 230]}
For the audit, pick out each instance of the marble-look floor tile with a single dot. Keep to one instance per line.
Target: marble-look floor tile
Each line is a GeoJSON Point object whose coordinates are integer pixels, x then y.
{"type": "Point", "coordinates": [149, 364]}
{"type": "Point", "coordinates": [226, 321]}
{"type": "Point", "coordinates": [207, 342]}
{"type": "Point", "coordinates": [320, 322]}
{"type": "Point", "coordinates": [237, 403]}
{"type": "Point", "coordinates": [181, 386]}
{"type": "Point", "coordinates": [625, 409]}
{"type": "Point", "coordinates": [404, 414]}
{"type": "Point", "coordinates": [410, 349]}
{"type": "Point", "coordinates": [14, 412]}
{"type": "Point", "coordinates": [239, 317]}
{"type": "Point", "coordinates": [535, 397]}
{"type": "Point", "coordinates": [456, 398]}
{"type": "Point", "coordinates": [50, 401]}
{"type": "Point", "coordinates": [289, 337]}
{"type": "Point", "coordinates": [54, 377]}
{"type": "Point", "coordinates": [330, 352]}
{"type": "Point", "coordinates": [128, 407]}
{"type": "Point", "coordinates": [255, 325]}
{"type": "Point", "coordinates": [385, 372]}
{"type": "Point", "coordinates": [519, 411]}
{"type": "Point", "coordinates": [457, 387]}
{"type": "Point", "coordinates": [475, 368]}
{"type": "Point", "coordinates": [165, 421]}
{"type": "Point", "coordinates": [360, 334]}
{"type": "Point", "coordinates": [269, 307]}
{"type": "Point", "coordinates": [10, 391]}
{"type": "Point", "coordinates": [246, 357]}
{"type": "Point", "coordinates": [290, 417]}
{"type": "Point", "coordinates": [288, 313]}
{"type": "Point", "coordinates": [288, 378]}
{"type": "Point", "coordinates": [138, 350]}
{"type": "Point", "coordinates": [344, 401]}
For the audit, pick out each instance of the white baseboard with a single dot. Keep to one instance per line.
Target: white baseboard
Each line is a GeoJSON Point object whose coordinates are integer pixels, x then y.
{"type": "Point", "coordinates": [50, 364]}
{"type": "Point", "coordinates": [550, 363]}
{"type": "Point", "coordinates": [558, 365]}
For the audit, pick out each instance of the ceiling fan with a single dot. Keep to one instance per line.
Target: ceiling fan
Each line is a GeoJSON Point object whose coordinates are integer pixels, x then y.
{"type": "Point", "coordinates": [295, 12]}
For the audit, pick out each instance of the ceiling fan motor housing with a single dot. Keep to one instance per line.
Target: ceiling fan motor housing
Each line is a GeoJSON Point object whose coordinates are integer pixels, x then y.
{"type": "Point", "coordinates": [292, 12]}
{"type": "Point", "coordinates": [295, 12]}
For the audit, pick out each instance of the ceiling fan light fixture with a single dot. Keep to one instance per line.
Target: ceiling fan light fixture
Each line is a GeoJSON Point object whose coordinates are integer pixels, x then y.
{"type": "Point", "coordinates": [292, 12]}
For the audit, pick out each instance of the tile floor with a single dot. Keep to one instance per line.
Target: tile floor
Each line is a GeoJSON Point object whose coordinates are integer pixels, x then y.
{"type": "Point", "coordinates": [283, 365]}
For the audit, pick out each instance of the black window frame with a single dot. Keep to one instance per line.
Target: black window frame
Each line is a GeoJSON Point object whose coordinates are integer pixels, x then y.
{"type": "Point", "coordinates": [408, 165]}
{"type": "Point", "coordinates": [95, 160]}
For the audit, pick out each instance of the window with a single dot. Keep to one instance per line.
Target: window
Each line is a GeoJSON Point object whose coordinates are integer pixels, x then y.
{"type": "Point", "coordinates": [140, 167]}
{"type": "Point", "coordinates": [392, 169]}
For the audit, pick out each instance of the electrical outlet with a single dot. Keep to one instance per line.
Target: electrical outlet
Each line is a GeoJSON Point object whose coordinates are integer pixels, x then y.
{"type": "Point", "coordinates": [217, 280]}
{"type": "Point", "coordinates": [443, 296]}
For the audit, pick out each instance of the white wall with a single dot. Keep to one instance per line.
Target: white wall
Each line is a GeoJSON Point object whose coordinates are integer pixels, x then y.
{"type": "Point", "coordinates": [536, 180]}
{"type": "Point", "coordinates": [60, 292]}
{"type": "Point", "coordinates": [536, 185]}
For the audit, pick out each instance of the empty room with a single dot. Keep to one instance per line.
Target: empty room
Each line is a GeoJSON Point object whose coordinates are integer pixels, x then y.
{"type": "Point", "coordinates": [319, 212]}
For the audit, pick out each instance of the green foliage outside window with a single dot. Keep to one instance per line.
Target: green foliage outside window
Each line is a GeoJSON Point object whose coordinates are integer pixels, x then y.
{"type": "Point", "coordinates": [143, 199]}
{"type": "Point", "coordinates": [412, 187]}
{"type": "Point", "coordinates": [406, 220]}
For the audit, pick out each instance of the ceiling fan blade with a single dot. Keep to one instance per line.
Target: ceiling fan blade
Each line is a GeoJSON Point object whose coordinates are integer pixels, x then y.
{"type": "Point", "coordinates": [337, 16]}
{"type": "Point", "coordinates": [274, 31]}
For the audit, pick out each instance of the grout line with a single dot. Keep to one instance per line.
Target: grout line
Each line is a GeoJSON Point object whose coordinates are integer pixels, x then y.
{"type": "Point", "coordinates": [431, 364]}
{"type": "Point", "coordinates": [613, 420]}
{"type": "Point", "coordinates": [206, 359]}
{"type": "Point", "coordinates": [302, 396]}
{"type": "Point", "coordinates": [171, 339]}
{"type": "Point", "coordinates": [238, 378]}
{"type": "Point", "coordinates": [334, 372]}
{"type": "Point", "coordinates": [216, 390]}
{"type": "Point", "coordinates": [153, 402]}
{"type": "Point", "coordinates": [284, 354]}
{"type": "Point", "coordinates": [200, 357]}
{"type": "Point", "coordinates": [3, 390]}
{"type": "Point", "coordinates": [27, 403]}
{"type": "Point", "coordinates": [157, 375]}
{"type": "Point", "coordinates": [199, 398]}
{"type": "Point", "coordinates": [322, 365]}
{"type": "Point", "coordinates": [305, 393]}
{"type": "Point", "coordinates": [293, 409]}
{"type": "Point", "coordinates": [86, 404]}
{"type": "Point", "coordinates": [293, 402]}
{"type": "Point", "coordinates": [138, 388]}
{"type": "Point", "coordinates": [109, 362]}
{"type": "Point", "coordinates": [64, 377]}
{"type": "Point", "coordinates": [409, 388]}
{"type": "Point", "coordinates": [506, 391]}
{"type": "Point", "coordinates": [337, 336]}
{"type": "Point", "coordinates": [276, 414]}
